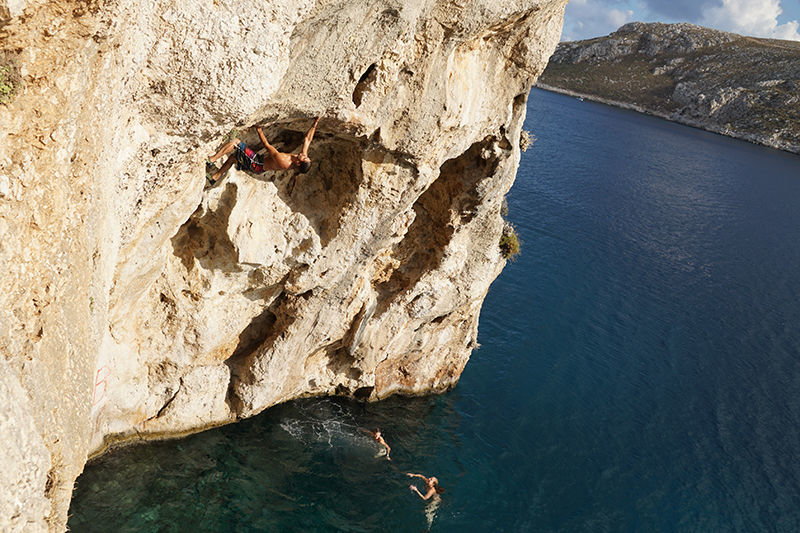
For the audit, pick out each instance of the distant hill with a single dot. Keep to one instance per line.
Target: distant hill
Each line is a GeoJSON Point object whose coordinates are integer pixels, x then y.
{"type": "Point", "coordinates": [726, 83]}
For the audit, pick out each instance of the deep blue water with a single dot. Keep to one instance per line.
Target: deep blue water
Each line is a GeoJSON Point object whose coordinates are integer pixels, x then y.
{"type": "Point", "coordinates": [639, 368]}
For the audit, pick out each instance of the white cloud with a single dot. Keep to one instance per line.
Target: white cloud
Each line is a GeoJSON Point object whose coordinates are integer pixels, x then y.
{"type": "Point", "coordinates": [591, 18]}
{"type": "Point", "coordinates": [758, 18]}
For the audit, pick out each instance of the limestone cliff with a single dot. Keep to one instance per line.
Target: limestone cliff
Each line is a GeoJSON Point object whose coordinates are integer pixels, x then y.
{"type": "Point", "coordinates": [136, 305]}
{"type": "Point", "coordinates": [739, 86]}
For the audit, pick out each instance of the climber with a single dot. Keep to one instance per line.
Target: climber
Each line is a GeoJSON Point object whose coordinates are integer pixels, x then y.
{"type": "Point", "coordinates": [432, 488]}
{"type": "Point", "coordinates": [247, 159]}
{"type": "Point", "coordinates": [376, 435]}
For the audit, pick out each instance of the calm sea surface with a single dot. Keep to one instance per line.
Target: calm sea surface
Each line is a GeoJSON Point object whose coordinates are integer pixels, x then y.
{"type": "Point", "coordinates": [639, 369]}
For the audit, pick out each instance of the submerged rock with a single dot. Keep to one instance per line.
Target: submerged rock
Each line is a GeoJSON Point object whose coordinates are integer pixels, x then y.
{"type": "Point", "coordinates": [136, 305]}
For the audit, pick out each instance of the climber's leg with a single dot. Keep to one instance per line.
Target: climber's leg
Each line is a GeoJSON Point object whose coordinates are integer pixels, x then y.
{"type": "Point", "coordinates": [225, 150]}
{"type": "Point", "coordinates": [225, 168]}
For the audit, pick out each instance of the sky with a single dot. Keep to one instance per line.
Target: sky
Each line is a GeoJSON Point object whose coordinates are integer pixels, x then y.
{"type": "Point", "coordinates": [777, 19]}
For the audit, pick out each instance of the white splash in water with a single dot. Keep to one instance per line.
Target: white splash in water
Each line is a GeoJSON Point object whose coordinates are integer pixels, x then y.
{"type": "Point", "coordinates": [327, 423]}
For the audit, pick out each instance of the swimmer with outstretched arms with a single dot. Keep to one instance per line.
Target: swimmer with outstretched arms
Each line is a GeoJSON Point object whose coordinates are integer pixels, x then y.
{"type": "Point", "coordinates": [376, 435]}
{"type": "Point", "coordinates": [432, 488]}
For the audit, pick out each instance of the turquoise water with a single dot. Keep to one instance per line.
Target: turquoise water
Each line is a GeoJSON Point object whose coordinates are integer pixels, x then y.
{"type": "Point", "coordinates": [639, 369]}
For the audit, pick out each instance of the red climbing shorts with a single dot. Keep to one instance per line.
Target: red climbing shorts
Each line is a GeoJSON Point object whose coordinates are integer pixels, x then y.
{"type": "Point", "coordinates": [247, 159]}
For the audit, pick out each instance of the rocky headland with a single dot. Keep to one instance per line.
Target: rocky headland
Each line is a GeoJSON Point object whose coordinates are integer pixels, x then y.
{"type": "Point", "coordinates": [134, 304]}
{"type": "Point", "coordinates": [738, 86]}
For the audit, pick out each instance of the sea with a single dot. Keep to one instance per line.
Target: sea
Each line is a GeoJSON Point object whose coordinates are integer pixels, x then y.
{"type": "Point", "coordinates": [638, 369]}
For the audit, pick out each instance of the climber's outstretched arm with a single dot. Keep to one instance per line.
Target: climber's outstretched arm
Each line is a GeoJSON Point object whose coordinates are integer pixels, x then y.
{"type": "Point", "coordinates": [271, 149]}
{"type": "Point", "coordinates": [309, 137]}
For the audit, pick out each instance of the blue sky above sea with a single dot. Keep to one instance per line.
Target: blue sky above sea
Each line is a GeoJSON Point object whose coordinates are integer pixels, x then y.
{"type": "Point", "coordinates": [777, 19]}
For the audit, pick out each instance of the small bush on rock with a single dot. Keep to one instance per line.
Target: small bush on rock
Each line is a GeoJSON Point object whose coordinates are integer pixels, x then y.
{"type": "Point", "coordinates": [233, 134]}
{"type": "Point", "coordinates": [509, 242]}
{"type": "Point", "coordinates": [9, 83]}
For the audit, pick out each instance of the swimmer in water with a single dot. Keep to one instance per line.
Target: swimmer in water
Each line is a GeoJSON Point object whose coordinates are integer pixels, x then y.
{"type": "Point", "coordinates": [432, 491]}
{"type": "Point", "coordinates": [432, 488]}
{"type": "Point", "coordinates": [376, 435]}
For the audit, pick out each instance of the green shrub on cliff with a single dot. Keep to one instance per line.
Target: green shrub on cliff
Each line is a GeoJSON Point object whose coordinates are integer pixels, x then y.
{"type": "Point", "coordinates": [509, 242]}
{"type": "Point", "coordinates": [233, 134]}
{"type": "Point", "coordinates": [7, 85]}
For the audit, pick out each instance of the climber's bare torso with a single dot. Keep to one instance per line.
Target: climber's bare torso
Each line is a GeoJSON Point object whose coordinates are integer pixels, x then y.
{"type": "Point", "coordinates": [275, 160]}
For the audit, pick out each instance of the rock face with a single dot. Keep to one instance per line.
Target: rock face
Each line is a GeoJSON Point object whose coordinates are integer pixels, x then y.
{"type": "Point", "coordinates": [722, 82]}
{"type": "Point", "coordinates": [136, 305]}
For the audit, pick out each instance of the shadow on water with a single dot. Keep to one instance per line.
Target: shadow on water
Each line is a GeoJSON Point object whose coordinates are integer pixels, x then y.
{"type": "Point", "coordinates": [302, 466]}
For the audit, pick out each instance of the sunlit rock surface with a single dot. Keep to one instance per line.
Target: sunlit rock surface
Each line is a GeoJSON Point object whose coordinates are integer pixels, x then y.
{"type": "Point", "coordinates": [136, 305]}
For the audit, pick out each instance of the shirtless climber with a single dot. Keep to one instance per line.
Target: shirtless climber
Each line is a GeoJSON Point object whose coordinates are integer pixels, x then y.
{"type": "Point", "coordinates": [247, 159]}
